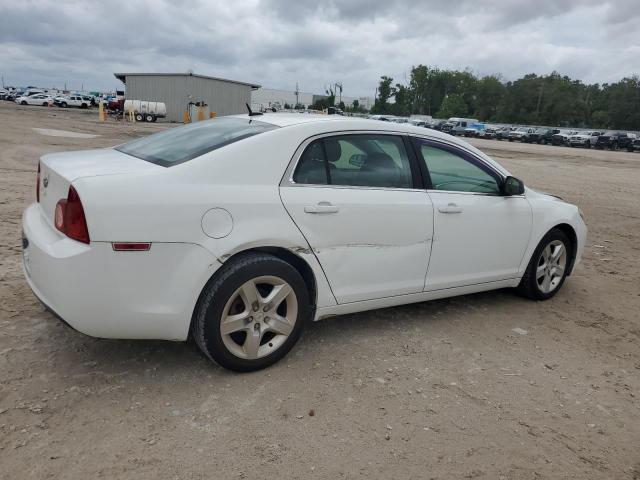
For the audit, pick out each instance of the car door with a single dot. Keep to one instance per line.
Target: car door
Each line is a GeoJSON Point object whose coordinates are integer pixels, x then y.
{"type": "Point", "coordinates": [359, 201]}
{"type": "Point", "coordinates": [480, 235]}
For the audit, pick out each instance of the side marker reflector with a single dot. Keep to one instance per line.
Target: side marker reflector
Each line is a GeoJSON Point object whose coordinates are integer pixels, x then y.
{"type": "Point", "coordinates": [131, 247]}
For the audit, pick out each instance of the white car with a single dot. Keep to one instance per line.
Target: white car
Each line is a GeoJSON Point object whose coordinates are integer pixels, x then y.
{"type": "Point", "coordinates": [35, 99]}
{"type": "Point", "coordinates": [239, 230]}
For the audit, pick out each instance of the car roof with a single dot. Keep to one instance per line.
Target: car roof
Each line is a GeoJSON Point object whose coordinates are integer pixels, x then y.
{"type": "Point", "coordinates": [344, 123]}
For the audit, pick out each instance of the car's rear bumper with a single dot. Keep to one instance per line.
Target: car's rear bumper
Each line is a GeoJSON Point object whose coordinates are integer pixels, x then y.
{"type": "Point", "coordinates": [110, 294]}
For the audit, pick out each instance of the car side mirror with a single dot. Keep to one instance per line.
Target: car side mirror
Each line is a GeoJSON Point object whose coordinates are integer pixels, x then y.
{"type": "Point", "coordinates": [512, 186]}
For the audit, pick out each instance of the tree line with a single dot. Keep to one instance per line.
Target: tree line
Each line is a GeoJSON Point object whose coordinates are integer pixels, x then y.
{"type": "Point", "coordinates": [554, 100]}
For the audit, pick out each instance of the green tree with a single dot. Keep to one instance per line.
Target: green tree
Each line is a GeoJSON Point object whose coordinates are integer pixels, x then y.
{"type": "Point", "coordinates": [624, 104]}
{"type": "Point", "coordinates": [490, 94]}
{"type": "Point", "coordinates": [385, 91]}
{"type": "Point", "coordinates": [331, 97]}
{"type": "Point", "coordinates": [453, 106]}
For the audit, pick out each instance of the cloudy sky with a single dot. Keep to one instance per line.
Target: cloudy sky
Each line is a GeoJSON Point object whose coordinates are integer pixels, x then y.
{"type": "Point", "coordinates": [278, 42]}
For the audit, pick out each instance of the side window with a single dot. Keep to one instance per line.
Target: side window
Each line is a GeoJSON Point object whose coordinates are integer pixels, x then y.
{"type": "Point", "coordinates": [312, 167]}
{"type": "Point", "coordinates": [451, 172]}
{"type": "Point", "coordinates": [356, 160]}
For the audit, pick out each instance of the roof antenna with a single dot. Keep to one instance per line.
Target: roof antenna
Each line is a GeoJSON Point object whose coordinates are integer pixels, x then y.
{"type": "Point", "coordinates": [251, 112]}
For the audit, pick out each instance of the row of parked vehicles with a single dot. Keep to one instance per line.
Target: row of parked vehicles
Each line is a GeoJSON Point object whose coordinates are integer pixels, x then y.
{"type": "Point", "coordinates": [34, 96]}
{"type": "Point", "coordinates": [471, 127]}
{"type": "Point", "coordinates": [599, 139]}
{"type": "Point", "coordinates": [143, 111]}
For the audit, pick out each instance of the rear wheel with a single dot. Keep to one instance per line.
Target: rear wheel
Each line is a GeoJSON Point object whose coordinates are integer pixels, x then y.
{"type": "Point", "coordinates": [139, 117]}
{"type": "Point", "coordinates": [149, 118]}
{"type": "Point", "coordinates": [547, 269]}
{"type": "Point", "coordinates": [252, 313]}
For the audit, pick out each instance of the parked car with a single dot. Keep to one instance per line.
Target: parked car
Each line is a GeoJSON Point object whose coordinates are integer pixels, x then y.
{"type": "Point", "coordinates": [35, 99]}
{"type": "Point", "coordinates": [636, 145]}
{"type": "Point", "coordinates": [520, 134]}
{"type": "Point", "coordinates": [542, 135]}
{"type": "Point", "coordinates": [217, 230]}
{"type": "Point", "coordinates": [457, 125]}
{"type": "Point", "coordinates": [475, 130]}
{"type": "Point", "coordinates": [584, 139]}
{"type": "Point", "coordinates": [626, 141]}
{"type": "Point", "coordinates": [3, 93]}
{"type": "Point", "coordinates": [562, 137]}
{"type": "Point", "coordinates": [437, 125]}
{"type": "Point", "coordinates": [73, 101]}
{"type": "Point", "coordinates": [502, 133]}
{"type": "Point", "coordinates": [614, 139]}
{"type": "Point", "coordinates": [490, 132]}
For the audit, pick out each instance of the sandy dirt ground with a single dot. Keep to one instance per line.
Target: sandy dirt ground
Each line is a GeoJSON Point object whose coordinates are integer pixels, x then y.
{"type": "Point", "coordinates": [439, 390]}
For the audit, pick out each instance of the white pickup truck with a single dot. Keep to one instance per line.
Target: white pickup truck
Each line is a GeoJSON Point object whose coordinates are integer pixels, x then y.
{"type": "Point", "coordinates": [82, 101]}
{"type": "Point", "coordinates": [144, 110]}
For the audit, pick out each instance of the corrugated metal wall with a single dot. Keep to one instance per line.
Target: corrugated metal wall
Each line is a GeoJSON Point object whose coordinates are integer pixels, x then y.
{"type": "Point", "coordinates": [224, 98]}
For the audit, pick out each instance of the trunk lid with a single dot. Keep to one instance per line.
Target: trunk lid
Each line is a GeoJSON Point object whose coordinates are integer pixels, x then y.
{"type": "Point", "coordinates": [59, 170]}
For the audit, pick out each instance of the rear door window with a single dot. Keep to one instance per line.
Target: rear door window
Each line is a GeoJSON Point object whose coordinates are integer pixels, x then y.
{"type": "Point", "coordinates": [363, 160]}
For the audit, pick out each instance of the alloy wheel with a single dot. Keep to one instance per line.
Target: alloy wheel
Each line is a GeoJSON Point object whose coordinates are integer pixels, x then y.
{"type": "Point", "coordinates": [259, 317]}
{"type": "Point", "coordinates": [551, 266]}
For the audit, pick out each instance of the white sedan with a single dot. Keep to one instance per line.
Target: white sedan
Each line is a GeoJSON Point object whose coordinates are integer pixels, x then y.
{"type": "Point", "coordinates": [37, 99]}
{"type": "Point", "coordinates": [237, 231]}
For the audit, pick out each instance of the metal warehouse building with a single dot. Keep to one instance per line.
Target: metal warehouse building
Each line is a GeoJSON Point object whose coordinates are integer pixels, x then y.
{"type": "Point", "coordinates": [176, 90]}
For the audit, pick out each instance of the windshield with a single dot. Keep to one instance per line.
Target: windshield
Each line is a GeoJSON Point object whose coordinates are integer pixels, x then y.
{"type": "Point", "coordinates": [180, 144]}
{"type": "Point", "coordinates": [610, 133]}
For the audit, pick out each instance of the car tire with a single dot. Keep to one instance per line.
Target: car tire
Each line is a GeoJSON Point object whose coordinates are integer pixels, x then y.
{"type": "Point", "coordinates": [148, 118]}
{"type": "Point", "coordinates": [63, 104]}
{"type": "Point", "coordinates": [541, 280]}
{"type": "Point", "coordinates": [139, 117]}
{"type": "Point", "coordinates": [227, 291]}
{"type": "Point", "coordinates": [23, 102]}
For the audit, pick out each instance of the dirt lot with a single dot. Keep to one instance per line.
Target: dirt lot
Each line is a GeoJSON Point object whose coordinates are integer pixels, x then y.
{"type": "Point", "coordinates": [444, 390]}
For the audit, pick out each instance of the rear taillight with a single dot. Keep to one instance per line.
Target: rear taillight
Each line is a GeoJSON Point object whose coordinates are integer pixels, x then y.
{"type": "Point", "coordinates": [70, 219]}
{"type": "Point", "coordinates": [38, 184]}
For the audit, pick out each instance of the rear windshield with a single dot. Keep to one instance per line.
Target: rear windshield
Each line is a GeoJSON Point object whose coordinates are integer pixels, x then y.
{"type": "Point", "coordinates": [180, 144]}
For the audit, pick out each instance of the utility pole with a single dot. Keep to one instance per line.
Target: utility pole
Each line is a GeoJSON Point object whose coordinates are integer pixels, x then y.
{"type": "Point", "coordinates": [297, 93]}
{"type": "Point", "coordinates": [539, 101]}
{"type": "Point", "coordinates": [336, 86]}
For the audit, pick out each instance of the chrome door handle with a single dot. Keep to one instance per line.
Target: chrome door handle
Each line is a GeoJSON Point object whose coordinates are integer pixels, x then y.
{"type": "Point", "coordinates": [321, 207]}
{"type": "Point", "coordinates": [450, 208]}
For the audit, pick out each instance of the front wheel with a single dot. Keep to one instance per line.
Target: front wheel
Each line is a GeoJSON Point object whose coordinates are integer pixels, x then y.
{"type": "Point", "coordinates": [139, 117]}
{"type": "Point", "coordinates": [251, 313]}
{"type": "Point", "coordinates": [547, 269]}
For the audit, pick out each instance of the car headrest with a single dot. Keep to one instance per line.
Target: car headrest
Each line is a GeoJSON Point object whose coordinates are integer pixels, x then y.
{"type": "Point", "coordinates": [334, 151]}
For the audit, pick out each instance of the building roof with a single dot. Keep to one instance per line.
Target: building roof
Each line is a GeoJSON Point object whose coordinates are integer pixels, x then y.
{"type": "Point", "coordinates": [123, 77]}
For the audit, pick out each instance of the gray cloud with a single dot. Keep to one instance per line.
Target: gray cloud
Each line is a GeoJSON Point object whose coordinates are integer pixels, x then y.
{"type": "Point", "coordinates": [279, 42]}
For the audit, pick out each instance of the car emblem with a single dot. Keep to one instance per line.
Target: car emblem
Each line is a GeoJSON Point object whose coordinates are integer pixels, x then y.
{"type": "Point", "coordinates": [45, 181]}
